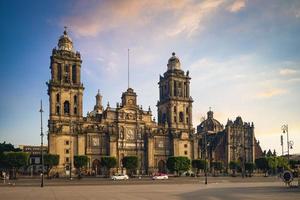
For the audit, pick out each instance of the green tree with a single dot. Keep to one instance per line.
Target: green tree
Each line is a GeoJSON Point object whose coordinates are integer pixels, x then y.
{"type": "Point", "coordinates": [50, 160]}
{"type": "Point", "coordinates": [130, 163]}
{"type": "Point", "coordinates": [7, 147]}
{"type": "Point", "coordinates": [108, 162]}
{"type": "Point", "coordinates": [272, 164]}
{"type": "Point", "coordinates": [233, 165]}
{"type": "Point", "coordinates": [282, 164]}
{"type": "Point", "coordinates": [262, 164]}
{"type": "Point", "coordinates": [249, 167]}
{"type": "Point", "coordinates": [199, 164]}
{"type": "Point", "coordinates": [79, 162]}
{"type": "Point", "coordinates": [217, 166]}
{"type": "Point", "coordinates": [16, 160]}
{"type": "Point", "coordinates": [178, 164]}
{"type": "Point", "coordinates": [293, 163]}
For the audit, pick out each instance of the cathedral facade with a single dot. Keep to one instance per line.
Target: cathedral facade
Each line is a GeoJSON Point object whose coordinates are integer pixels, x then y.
{"type": "Point", "coordinates": [127, 129]}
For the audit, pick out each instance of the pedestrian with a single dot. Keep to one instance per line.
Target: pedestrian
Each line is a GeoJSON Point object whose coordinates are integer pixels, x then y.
{"type": "Point", "coordinates": [4, 176]}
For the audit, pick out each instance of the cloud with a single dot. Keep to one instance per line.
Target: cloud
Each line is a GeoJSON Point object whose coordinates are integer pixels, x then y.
{"type": "Point", "coordinates": [237, 6]}
{"type": "Point", "coordinates": [271, 93]}
{"type": "Point", "coordinates": [170, 18]}
{"type": "Point", "coordinates": [287, 71]}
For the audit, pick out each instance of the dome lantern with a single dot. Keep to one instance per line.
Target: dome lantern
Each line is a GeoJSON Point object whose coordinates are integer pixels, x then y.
{"type": "Point", "coordinates": [65, 42]}
{"type": "Point", "coordinates": [173, 62]}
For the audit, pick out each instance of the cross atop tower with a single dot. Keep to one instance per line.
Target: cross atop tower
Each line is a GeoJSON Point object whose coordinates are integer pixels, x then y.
{"type": "Point", "coordinates": [65, 31]}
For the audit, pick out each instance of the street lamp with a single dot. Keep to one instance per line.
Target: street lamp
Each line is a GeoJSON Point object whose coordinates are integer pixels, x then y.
{"type": "Point", "coordinates": [285, 129]}
{"type": "Point", "coordinates": [42, 135]}
{"type": "Point", "coordinates": [205, 161]}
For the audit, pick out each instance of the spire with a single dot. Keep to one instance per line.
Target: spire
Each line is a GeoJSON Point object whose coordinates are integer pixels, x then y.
{"type": "Point", "coordinates": [65, 31]}
{"type": "Point", "coordinates": [128, 70]}
{"type": "Point", "coordinates": [98, 105]}
{"type": "Point", "coordinates": [210, 114]}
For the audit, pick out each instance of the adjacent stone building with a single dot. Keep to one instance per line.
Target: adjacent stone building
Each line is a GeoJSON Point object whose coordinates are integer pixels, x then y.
{"type": "Point", "coordinates": [234, 142]}
{"type": "Point", "coordinates": [127, 129]}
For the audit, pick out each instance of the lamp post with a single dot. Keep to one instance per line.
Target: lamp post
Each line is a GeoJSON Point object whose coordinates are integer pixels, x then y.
{"type": "Point", "coordinates": [281, 143]}
{"type": "Point", "coordinates": [205, 161]}
{"type": "Point", "coordinates": [285, 129]}
{"type": "Point", "coordinates": [42, 136]}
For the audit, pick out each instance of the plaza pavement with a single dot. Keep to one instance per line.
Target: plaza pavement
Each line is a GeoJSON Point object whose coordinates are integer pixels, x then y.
{"type": "Point", "coordinates": [180, 188]}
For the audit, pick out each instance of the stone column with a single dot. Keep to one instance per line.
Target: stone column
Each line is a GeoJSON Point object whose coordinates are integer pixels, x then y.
{"type": "Point", "coordinates": [150, 156]}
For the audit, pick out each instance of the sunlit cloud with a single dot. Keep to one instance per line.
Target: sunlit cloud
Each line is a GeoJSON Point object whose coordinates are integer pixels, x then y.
{"type": "Point", "coordinates": [287, 71]}
{"type": "Point", "coordinates": [237, 5]}
{"type": "Point", "coordinates": [183, 16]}
{"type": "Point", "coordinates": [271, 93]}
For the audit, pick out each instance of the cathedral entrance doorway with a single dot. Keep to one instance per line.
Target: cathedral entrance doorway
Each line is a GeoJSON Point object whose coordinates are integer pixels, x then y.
{"type": "Point", "coordinates": [162, 166]}
{"type": "Point", "coordinates": [96, 167]}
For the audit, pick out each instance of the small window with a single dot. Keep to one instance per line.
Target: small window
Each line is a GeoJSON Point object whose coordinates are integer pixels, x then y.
{"type": "Point", "coordinates": [67, 142]}
{"type": "Point", "coordinates": [175, 119]}
{"type": "Point", "coordinates": [74, 74]}
{"type": "Point", "coordinates": [66, 107]}
{"type": "Point", "coordinates": [175, 109]}
{"type": "Point", "coordinates": [67, 159]}
{"type": "Point", "coordinates": [185, 145]}
{"type": "Point", "coordinates": [57, 110]}
{"type": "Point", "coordinates": [67, 151]}
{"type": "Point", "coordinates": [181, 117]}
{"type": "Point", "coordinates": [75, 99]}
{"type": "Point", "coordinates": [75, 110]}
{"type": "Point", "coordinates": [57, 98]}
{"type": "Point", "coordinates": [185, 153]}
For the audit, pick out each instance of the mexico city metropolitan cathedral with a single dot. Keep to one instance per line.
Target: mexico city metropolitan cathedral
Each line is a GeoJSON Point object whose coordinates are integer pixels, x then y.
{"type": "Point", "coordinates": [128, 130]}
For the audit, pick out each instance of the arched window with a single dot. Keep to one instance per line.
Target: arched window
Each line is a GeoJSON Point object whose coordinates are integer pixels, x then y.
{"type": "Point", "coordinates": [66, 107]}
{"type": "Point", "coordinates": [164, 118]}
{"type": "Point", "coordinates": [159, 116]}
{"type": "Point", "coordinates": [75, 99]}
{"type": "Point", "coordinates": [75, 110]}
{"type": "Point", "coordinates": [74, 74]}
{"type": "Point", "coordinates": [57, 111]}
{"type": "Point", "coordinates": [181, 117]}
{"type": "Point", "coordinates": [59, 72]}
{"type": "Point", "coordinates": [57, 97]}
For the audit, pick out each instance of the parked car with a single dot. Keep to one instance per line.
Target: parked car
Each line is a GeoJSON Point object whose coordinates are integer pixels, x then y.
{"type": "Point", "coordinates": [188, 173]}
{"type": "Point", "coordinates": [120, 177]}
{"type": "Point", "coordinates": [160, 176]}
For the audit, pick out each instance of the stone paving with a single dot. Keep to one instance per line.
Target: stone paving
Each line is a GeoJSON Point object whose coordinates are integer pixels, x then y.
{"type": "Point", "coordinates": [273, 190]}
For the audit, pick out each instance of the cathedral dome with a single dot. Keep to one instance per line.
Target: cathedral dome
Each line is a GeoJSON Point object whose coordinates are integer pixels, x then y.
{"type": "Point", "coordinates": [173, 62]}
{"type": "Point", "coordinates": [210, 124]}
{"type": "Point", "coordinates": [65, 42]}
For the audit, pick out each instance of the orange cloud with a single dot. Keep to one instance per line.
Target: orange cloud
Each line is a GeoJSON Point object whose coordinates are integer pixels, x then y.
{"type": "Point", "coordinates": [169, 17]}
{"type": "Point", "coordinates": [271, 92]}
{"type": "Point", "coordinates": [237, 6]}
{"type": "Point", "coordinates": [287, 71]}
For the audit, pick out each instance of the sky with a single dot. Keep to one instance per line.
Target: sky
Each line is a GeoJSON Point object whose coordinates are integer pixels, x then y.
{"type": "Point", "coordinates": [243, 57]}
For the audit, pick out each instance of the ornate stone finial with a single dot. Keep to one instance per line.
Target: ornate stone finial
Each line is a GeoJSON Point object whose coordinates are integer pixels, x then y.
{"type": "Point", "coordinates": [108, 104]}
{"type": "Point", "coordinates": [65, 31]}
{"type": "Point", "coordinates": [149, 109]}
{"type": "Point", "coordinates": [173, 54]}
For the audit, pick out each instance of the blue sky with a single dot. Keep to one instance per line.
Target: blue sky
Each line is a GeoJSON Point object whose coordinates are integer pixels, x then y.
{"type": "Point", "coordinates": [243, 57]}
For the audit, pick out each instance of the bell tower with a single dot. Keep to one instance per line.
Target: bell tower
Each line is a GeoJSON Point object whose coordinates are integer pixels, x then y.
{"type": "Point", "coordinates": [65, 89]}
{"type": "Point", "coordinates": [175, 103]}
